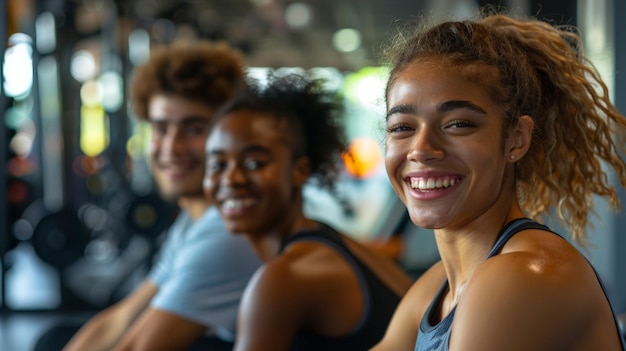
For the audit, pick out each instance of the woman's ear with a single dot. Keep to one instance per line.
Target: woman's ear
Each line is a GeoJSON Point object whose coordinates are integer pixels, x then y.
{"type": "Point", "coordinates": [520, 139]}
{"type": "Point", "coordinates": [301, 170]}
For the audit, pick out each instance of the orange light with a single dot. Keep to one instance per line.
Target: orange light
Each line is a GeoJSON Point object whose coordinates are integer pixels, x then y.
{"type": "Point", "coordinates": [363, 157]}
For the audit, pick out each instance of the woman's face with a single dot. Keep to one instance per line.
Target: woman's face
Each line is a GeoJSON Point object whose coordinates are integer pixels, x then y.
{"type": "Point", "coordinates": [445, 155]}
{"type": "Point", "coordinates": [251, 174]}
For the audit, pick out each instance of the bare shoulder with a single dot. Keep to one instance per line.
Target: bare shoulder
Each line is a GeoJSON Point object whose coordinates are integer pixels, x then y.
{"type": "Point", "coordinates": [276, 279]}
{"type": "Point", "coordinates": [293, 278]}
{"type": "Point", "coordinates": [275, 304]}
{"type": "Point", "coordinates": [539, 292]}
{"type": "Point", "coordinates": [540, 262]}
{"type": "Point", "coordinates": [274, 293]}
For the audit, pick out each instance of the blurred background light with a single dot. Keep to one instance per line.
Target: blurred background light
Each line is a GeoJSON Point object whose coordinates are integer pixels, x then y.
{"type": "Point", "coordinates": [333, 78]}
{"type": "Point", "coordinates": [94, 126]}
{"type": "Point", "coordinates": [138, 46]}
{"type": "Point", "coordinates": [15, 116]}
{"type": "Point", "coordinates": [366, 86]}
{"type": "Point", "coordinates": [346, 40]}
{"type": "Point", "coordinates": [90, 93]}
{"type": "Point", "coordinates": [22, 143]}
{"type": "Point", "coordinates": [298, 15]}
{"type": "Point", "coordinates": [258, 74]}
{"type": "Point", "coordinates": [18, 66]}
{"type": "Point", "coordinates": [83, 65]}
{"type": "Point", "coordinates": [111, 91]}
{"type": "Point", "coordinates": [135, 147]}
{"type": "Point", "coordinates": [45, 33]}
{"type": "Point", "coordinates": [364, 157]}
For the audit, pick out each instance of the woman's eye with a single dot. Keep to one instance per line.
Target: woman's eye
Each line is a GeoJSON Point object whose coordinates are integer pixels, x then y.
{"type": "Point", "coordinates": [253, 164]}
{"type": "Point", "coordinates": [397, 128]}
{"type": "Point", "coordinates": [460, 124]}
{"type": "Point", "coordinates": [215, 166]}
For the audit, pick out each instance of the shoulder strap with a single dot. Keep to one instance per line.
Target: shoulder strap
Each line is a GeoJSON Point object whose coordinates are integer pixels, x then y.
{"type": "Point", "coordinates": [513, 228]}
{"type": "Point", "coordinates": [322, 234]}
{"type": "Point", "coordinates": [520, 224]}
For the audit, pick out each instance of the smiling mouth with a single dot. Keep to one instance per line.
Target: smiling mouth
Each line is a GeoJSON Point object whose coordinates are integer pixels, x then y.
{"type": "Point", "coordinates": [434, 183]}
{"type": "Point", "coordinates": [175, 169]}
{"type": "Point", "coordinates": [237, 204]}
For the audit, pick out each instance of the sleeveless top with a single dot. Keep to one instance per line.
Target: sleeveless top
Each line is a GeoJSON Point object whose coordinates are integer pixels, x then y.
{"type": "Point", "coordinates": [380, 301]}
{"type": "Point", "coordinates": [436, 337]}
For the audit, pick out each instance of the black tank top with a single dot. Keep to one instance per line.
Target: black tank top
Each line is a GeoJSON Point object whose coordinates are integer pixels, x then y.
{"type": "Point", "coordinates": [436, 337]}
{"type": "Point", "coordinates": [380, 300]}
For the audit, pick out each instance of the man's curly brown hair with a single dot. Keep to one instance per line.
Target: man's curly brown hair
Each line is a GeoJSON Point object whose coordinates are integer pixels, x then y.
{"type": "Point", "coordinates": [204, 71]}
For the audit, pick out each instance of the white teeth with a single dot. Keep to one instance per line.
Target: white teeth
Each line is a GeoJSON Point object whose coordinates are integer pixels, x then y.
{"type": "Point", "coordinates": [432, 183]}
{"type": "Point", "coordinates": [232, 204]}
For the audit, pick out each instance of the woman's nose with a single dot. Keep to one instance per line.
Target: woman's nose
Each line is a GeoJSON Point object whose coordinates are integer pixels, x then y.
{"type": "Point", "coordinates": [427, 146]}
{"type": "Point", "coordinates": [234, 175]}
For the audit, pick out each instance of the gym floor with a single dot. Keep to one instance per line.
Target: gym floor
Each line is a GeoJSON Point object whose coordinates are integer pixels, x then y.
{"type": "Point", "coordinates": [30, 295]}
{"type": "Point", "coordinates": [19, 331]}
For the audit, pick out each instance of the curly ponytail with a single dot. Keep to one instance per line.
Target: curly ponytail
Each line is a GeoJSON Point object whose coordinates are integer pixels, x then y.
{"type": "Point", "coordinates": [537, 69]}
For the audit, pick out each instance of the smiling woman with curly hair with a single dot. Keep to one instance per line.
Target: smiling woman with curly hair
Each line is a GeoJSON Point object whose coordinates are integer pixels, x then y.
{"type": "Point", "coordinates": [493, 124]}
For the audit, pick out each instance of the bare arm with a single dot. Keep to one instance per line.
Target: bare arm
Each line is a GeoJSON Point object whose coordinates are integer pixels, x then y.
{"type": "Point", "coordinates": [269, 315]}
{"type": "Point", "coordinates": [132, 325]}
{"type": "Point", "coordinates": [107, 327]}
{"type": "Point", "coordinates": [160, 330]}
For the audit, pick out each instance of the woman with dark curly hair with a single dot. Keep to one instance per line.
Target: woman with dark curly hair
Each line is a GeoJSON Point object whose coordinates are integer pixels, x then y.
{"type": "Point", "coordinates": [493, 124]}
{"type": "Point", "coordinates": [318, 290]}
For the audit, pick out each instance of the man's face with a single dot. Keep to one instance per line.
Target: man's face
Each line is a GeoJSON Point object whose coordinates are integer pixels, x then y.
{"type": "Point", "coordinates": [179, 130]}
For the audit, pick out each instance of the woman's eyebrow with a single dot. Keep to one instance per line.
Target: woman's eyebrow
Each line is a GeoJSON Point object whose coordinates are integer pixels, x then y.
{"type": "Point", "coordinates": [444, 107]}
{"type": "Point", "coordinates": [460, 104]}
{"type": "Point", "coordinates": [246, 150]}
{"type": "Point", "coordinates": [404, 108]}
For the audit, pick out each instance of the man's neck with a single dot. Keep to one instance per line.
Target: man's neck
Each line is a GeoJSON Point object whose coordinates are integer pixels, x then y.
{"type": "Point", "coordinates": [195, 206]}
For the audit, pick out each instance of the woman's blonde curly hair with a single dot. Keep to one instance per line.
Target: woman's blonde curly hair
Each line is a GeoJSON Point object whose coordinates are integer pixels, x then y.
{"type": "Point", "coordinates": [538, 69]}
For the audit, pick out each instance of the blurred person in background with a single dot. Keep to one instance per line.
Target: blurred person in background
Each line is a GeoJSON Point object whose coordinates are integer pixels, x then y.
{"type": "Point", "coordinates": [318, 289]}
{"type": "Point", "coordinates": [191, 296]}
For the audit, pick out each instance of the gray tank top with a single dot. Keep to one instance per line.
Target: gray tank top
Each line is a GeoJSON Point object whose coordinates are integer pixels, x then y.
{"type": "Point", "coordinates": [436, 337]}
